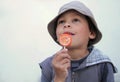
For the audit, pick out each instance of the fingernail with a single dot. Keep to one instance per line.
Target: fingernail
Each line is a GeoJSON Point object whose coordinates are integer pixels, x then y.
{"type": "Point", "coordinates": [66, 49]}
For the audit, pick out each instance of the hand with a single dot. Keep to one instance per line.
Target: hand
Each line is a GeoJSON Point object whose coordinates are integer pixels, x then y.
{"type": "Point", "coordinates": [61, 63]}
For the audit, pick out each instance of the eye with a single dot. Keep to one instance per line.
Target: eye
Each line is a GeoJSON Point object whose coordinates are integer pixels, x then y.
{"type": "Point", "coordinates": [61, 22]}
{"type": "Point", "coordinates": [76, 20]}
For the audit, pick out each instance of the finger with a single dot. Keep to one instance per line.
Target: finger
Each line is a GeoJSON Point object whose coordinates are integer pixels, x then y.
{"type": "Point", "coordinates": [62, 51]}
{"type": "Point", "coordinates": [65, 60]}
{"type": "Point", "coordinates": [62, 54]}
{"type": "Point", "coordinates": [61, 57]}
{"type": "Point", "coordinates": [66, 66]}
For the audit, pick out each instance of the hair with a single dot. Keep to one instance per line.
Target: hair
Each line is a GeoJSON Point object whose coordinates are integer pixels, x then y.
{"type": "Point", "coordinates": [92, 29]}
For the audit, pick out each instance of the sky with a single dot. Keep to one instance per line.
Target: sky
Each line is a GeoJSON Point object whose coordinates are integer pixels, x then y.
{"type": "Point", "coordinates": [25, 41]}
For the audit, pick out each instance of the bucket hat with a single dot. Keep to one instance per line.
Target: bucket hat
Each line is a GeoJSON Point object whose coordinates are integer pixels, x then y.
{"type": "Point", "coordinates": [81, 8]}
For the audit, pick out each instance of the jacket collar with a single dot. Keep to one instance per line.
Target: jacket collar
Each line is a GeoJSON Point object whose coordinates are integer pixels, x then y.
{"type": "Point", "coordinates": [95, 57]}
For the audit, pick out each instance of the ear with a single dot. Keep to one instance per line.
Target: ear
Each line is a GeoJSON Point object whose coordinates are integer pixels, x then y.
{"type": "Point", "coordinates": [92, 35]}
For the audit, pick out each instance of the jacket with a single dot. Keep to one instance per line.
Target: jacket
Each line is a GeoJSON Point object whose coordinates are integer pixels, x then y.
{"type": "Point", "coordinates": [95, 68]}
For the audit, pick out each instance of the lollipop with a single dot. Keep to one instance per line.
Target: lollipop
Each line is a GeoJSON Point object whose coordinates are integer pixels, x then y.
{"type": "Point", "coordinates": [65, 40]}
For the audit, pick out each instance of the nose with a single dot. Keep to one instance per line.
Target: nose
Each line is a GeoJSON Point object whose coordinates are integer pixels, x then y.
{"type": "Point", "coordinates": [66, 25]}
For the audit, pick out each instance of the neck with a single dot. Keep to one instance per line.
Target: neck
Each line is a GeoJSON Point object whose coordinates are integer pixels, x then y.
{"type": "Point", "coordinates": [77, 54]}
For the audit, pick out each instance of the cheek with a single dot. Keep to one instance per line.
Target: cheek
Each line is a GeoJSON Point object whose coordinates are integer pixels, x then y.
{"type": "Point", "coordinates": [58, 31]}
{"type": "Point", "coordinates": [83, 33]}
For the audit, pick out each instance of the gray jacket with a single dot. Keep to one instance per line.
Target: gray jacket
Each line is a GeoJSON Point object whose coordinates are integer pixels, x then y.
{"type": "Point", "coordinates": [95, 68]}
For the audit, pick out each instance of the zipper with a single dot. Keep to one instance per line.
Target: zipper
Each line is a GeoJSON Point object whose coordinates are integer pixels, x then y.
{"type": "Point", "coordinates": [73, 76]}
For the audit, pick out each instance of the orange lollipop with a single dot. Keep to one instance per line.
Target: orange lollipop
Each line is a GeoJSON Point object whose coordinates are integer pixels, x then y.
{"type": "Point", "coordinates": [65, 40]}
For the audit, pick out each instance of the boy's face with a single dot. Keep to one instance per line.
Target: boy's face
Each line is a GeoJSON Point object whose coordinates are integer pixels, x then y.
{"type": "Point", "coordinates": [76, 25]}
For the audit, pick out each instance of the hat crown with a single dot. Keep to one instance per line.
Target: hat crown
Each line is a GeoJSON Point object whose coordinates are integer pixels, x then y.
{"type": "Point", "coordinates": [76, 5]}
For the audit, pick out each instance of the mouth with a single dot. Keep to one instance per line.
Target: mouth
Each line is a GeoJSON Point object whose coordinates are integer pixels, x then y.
{"type": "Point", "coordinates": [70, 33]}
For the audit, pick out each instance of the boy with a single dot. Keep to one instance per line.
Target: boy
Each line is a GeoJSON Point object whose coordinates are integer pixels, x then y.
{"type": "Point", "coordinates": [80, 61]}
